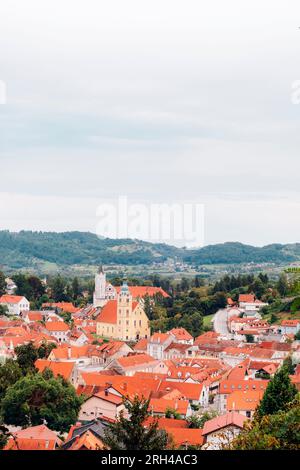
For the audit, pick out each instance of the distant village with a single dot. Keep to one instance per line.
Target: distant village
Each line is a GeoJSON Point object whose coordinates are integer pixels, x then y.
{"type": "Point", "coordinates": [108, 353]}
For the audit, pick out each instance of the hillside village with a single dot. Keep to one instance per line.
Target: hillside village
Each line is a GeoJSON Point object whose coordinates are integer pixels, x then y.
{"type": "Point", "coordinates": [201, 389]}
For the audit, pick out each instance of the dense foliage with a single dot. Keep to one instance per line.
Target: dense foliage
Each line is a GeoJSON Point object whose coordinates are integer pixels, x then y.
{"type": "Point", "coordinates": [129, 433]}
{"type": "Point", "coordinates": [277, 431]}
{"type": "Point", "coordinates": [37, 397]}
{"type": "Point", "coordinates": [26, 248]}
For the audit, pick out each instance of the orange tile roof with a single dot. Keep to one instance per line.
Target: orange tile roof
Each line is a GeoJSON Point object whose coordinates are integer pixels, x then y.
{"type": "Point", "coordinates": [34, 438]}
{"type": "Point", "coordinates": [181, 334]}
{"type": "Point", "coordinates": [290, 322]}
{"type": "Point", "coordinates": [35, 316]}
{"type": "Point", "coordinates": [142, 291]}
{"type": "Point", "coordinates": [109, 313]}
{"type": "Point", "coordinates": [185, 437]}
{"type": "Point", "coordinates": [159, 337]}
{"type": "Point", "coordinates": [64, 369]}
{"type": "Point", "coordinates": [164, 423]}
{"type": "Point", "coordinates": [248, 298]}
{"type": "Point", "coordinates": [87, 441]}
{"type": "Point", "coordinates": [221, 422]}
{"type": "Point", "coordinates": [141, 345]}
{"type": "Point", "coordinates": [11, 299]}
{"type": "Point", "coordinates": [57, 326]}
{"type": "Point", "coordinates": [135, 360]}
{"type": "Point", "coordinates": [160, 405]}
{"type": "Point", "coordinates": [229, 386]}
{"type": "Point", "coordinates": [188, 390]}
{"type": "Point", "coordinates": [244, 400]}
{"type": "Point", "coordinates": [67, 307]}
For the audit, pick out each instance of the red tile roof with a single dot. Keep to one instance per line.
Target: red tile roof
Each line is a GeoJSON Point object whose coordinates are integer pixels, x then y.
{"type": "Point", "coordinates": [109, 313]}
{"type": "Point", "coordinates": [185, 437]}
{"type": "Point", "coordinates": [244, 400]}
{"type": "Point", "coordinates": [248, 298]}
{"type": "Point", "coordinates": [57, 326]}
{"type": "Point", "coordinates": [181, 334]}
{"type": "Point", "coordinates": [135, 360]}
{"type": "Point", "coordinates": [64, 369]}
{"type": "Point", "coordinates": [34, 438]}
{"type": "Point", "coordinates": [142, 291]}
{"type": "Point", "coordinates": [221, 422]}
{"type": "Point", "coordinates": [11, 299]}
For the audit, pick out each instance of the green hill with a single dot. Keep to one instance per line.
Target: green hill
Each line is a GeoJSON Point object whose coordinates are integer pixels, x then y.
{"type": "Point", "coordinates": [29, 249]}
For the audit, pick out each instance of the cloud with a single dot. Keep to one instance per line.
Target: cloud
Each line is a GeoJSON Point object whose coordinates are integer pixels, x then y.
{"type": "Point", "coordinates": [155, 100]}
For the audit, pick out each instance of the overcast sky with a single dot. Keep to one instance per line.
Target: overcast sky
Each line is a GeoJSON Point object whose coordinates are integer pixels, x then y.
{"type": "Point", "coordinates": [158, 100]}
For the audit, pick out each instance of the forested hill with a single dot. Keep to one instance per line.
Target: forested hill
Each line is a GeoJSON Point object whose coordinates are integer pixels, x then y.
{"type": "Point", "coordinates": [25, 249]}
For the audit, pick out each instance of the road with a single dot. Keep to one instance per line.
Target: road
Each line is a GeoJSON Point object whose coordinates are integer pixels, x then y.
{"type": "Point", "coordinates": [220, 322]}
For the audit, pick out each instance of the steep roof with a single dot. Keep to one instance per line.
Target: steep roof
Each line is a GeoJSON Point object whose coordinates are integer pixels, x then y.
{"type": "Point", "coordinates": [135, 360]}
{"type": "Point", "coordinates": [57, 326]}
{"type": "Point", "coordinates": [247, 298]}
{"type": "Point", "coordinates": [220, 422]}
{"type": "Point", "coordinates": [109, 313]}
{"type": "Point", "coordinates": [11, 299]}
{"type": "Point", "coordinates": [58, 368]}
{"type": "Point", "coordinates": [34, 438]}
{"type": "Point", "coordinates": [142, 291]}
{"type": "Point", "coordinates": [185, 437]}
{"type": "Point", "coordinates": [247, 400]}
{"type": "Point", "coordinates": [181, 334]}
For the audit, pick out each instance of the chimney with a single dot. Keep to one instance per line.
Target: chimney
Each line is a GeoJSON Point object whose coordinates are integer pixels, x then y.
{"type": "Point", "coordinates": [125, 386]}
{"type": "Point", "coordinates": [69, 352]}
{"type": "Point", "coordinates": [106, 393]}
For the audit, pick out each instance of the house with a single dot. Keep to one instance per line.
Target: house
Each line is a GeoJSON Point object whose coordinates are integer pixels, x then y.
{"type": "Point", "coordinates": [290, 327]}
{"type": "Point", "coordinates": [86, 436]}
{"type": "Point", "coordinates": [229, 386]}
{"type": "Point", "coordinates": [123, 319]}
{"type": "Point", "coordinates": [32, 317]}
{"type": "Point", "coordinates": [220, 431]}
{"type": "Point", "coordinates": [249, 303]}
{"type": "Point", "coordinates": [244, 402]}
{"type": "Point", "coordinates": [33, 438]}
{"type": "Point", "coordinates": [67, 370]}
{"type": "Point", "coordinates": [133, 363]}
{"type": "Point", "coordinates": [181, 336]}
{"type": "Point", "coordinates": [158, 343]}
{"type": "Point", "coordinates": [66, 307]}
{"type": "Point", "coordinates": [104, 291]}
{"type": "Point", "coordinates": [16, 304]}
{"type": "Point", "coordinates": [59, 330]}
{"type": "Point", "coordinates": [159, 407]}
{"type": "Point", "coordinates": [183, 438]}
{"type": "Point", "coordinates": [101, 404]}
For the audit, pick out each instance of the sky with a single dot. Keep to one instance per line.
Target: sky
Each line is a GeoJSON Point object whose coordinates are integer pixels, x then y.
{"type": "Point", "coordinates": [157, 101]}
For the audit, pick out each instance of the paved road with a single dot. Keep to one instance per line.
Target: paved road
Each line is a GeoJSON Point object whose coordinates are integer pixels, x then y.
{"type": "Point", "coordinates": [220, 322]}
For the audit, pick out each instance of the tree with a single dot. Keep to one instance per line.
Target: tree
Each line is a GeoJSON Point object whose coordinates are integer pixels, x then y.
{"type": "Point", "coordinates": [172, 413]}
{"type": "Point", "coordinates": [45, 349]}
{"type": "Point", "coordinates": [278, 393]}
{"type": "Point", "coordinates": [198, 421]}
{"type": "Point", "coordinates": [3, 310]}
{"type": "Point", "coordinates": [288, 363]}
{"type": "Point", "coordinates": [130, 433]}
{"type": "Point", "coordinates": [249, 338]}
{"type": "Point", "coordinates": [272, 432]}
{"type": "Point", "coordinates": [10, 373]}
{"type": "Point", "coordinates": [39, 397]}
{"type": "Point", "coordinates": [4, 435]}
{"type": "Point", "coordinates": [58, 289]}
{"type": "Point", "coordinates": [2, 284]}
{"type": "Point", "coordinates": [282, 285]}
{"type": "Point", "coordinates": [75, 288]}
{"type": "Point", "coordinates": [27, 354]}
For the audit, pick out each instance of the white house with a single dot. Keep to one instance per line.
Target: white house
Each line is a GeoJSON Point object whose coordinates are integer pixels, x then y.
{"type": "Point", "coordinates": [16, 304]}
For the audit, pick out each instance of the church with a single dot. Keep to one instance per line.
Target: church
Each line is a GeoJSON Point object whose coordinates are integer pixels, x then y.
{"type": "Point", "coordinates": [104, 291]}
{"type": "Point", "coordinates": [121, 316]}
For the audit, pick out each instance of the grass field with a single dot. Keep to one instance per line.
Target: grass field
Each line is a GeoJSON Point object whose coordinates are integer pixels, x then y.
{"type": "Point", "coordinates": [207, 320]}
